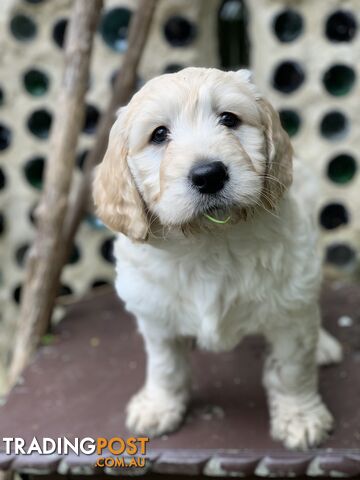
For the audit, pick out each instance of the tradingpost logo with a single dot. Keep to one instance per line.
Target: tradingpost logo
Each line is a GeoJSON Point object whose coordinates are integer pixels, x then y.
{"type": "Point", "coordinates": [111, 452]}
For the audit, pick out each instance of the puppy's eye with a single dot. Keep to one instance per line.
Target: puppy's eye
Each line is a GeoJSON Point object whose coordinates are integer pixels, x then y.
{"type": "Point", "coordinates": [159, 135]}
{"type": "Point", "coordinates": [229, 120]}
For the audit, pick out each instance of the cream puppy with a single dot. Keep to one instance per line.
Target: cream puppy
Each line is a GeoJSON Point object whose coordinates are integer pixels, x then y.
{"type": "Point", "coordinates": [215, 243]}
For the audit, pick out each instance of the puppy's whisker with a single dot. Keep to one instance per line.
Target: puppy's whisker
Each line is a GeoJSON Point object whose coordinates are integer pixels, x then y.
{"type": "Point", "coordinates": [268, 196]}
{"type": "Point", "coordinates": [274, 179]}
{"type": "Point", "coordinates": [152, 220]}
{"type": "Point", "coordinates": [261, 206]}
{"type": "Point", "coordinates": [272, 206]}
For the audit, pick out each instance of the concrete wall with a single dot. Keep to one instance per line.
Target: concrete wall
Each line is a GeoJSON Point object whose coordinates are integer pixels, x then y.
{"type": "Point", "coordinates": [317, 36]}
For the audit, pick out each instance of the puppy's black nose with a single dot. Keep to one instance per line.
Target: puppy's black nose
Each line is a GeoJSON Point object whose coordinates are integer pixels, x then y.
{"type": "Point", "coordinates": [209, 177]}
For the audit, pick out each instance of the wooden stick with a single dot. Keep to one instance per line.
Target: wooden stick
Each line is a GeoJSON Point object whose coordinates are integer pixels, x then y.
{"type": "Point", "coordinates": [43, 271]}
{"type": "Point", "coordinates": [124, 87]}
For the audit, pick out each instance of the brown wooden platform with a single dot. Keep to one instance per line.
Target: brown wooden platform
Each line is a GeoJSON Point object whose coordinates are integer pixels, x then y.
{"type": "Point", "coordinates": [78, 386]}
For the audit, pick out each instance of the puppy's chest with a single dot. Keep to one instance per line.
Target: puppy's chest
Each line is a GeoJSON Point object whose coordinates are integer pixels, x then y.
{"type": "Point", "coordinates": [213, 296]}
{"type": "Point", "coordinates": [216, 301]}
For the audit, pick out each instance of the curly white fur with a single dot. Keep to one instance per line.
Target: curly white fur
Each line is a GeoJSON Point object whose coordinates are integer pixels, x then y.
{"type": "Point", "coordinates": [220, 283]}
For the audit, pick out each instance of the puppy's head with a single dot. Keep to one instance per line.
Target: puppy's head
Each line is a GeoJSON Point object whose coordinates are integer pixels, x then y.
{"type": "Point", "coordinates": [200, 141]}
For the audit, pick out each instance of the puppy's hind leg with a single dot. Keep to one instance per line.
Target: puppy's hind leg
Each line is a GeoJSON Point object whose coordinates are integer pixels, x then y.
{"type": "Point", "coordinates": [159, 407]}
{"type": "Point", "coordinates": [329, 349]}
{"type": "Point", "coordinates": [298, 415]}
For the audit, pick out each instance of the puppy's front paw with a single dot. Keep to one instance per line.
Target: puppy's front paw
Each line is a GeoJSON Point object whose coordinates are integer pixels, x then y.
{"type": "Point", "coordinates": [300, 425]}
{"type": "Point", "coordinates": [154, 414]}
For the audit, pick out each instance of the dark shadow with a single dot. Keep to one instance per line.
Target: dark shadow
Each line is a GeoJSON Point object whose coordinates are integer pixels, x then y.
{"type": "Point", "coordinates": [234, 45]}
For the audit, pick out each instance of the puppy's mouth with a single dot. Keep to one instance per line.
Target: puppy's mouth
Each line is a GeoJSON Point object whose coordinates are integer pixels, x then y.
{"type": "Point", "coordinates": [217, 210]}
{"type": "Point", "coordinates": [219, 219]}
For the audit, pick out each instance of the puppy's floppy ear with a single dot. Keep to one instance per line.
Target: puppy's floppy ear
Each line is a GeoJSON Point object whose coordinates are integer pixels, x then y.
{"type": "Point", "coordinates": [246, 78]}
{"type": "Point", "coordinates": [244, 75]}
{"type": "Point", "coordinates": [279, 153]}
{"type": "Point", "coordinates": [117, 200]}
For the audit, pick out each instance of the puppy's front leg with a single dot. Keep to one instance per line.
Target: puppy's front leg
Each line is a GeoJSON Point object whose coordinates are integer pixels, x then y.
{"type": "Point", "coordinates": [298, 416]}
{"type": "Point", "coordinates": [160, 406]}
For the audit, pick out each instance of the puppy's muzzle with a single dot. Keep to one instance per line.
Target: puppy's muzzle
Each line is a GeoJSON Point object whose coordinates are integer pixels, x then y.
{"type": "Point", "coordinates": [210, 177]}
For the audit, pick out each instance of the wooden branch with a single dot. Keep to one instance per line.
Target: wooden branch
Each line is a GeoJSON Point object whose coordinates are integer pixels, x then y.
{"type": "Point", "coordinates": [124, 87]}
{"type": "Point", "coordinates": [43, 270]}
